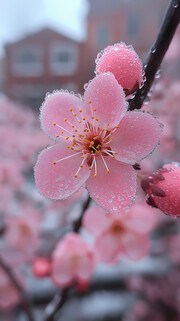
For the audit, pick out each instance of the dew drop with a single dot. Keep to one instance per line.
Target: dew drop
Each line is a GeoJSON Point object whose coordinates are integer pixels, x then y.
{"type": "Point", "coordinates": [175, 5]}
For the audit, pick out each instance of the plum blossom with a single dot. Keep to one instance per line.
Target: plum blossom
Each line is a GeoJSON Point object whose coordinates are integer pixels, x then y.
{"type": "Point", "coordinates": [21, 237]}
{"type": "Point", "coordinates": [124, 234]}
{"type": "Point", "coordinates": [124, 63]}
{"type": "Point", "coordinates": [163, 189]}
{"type": "Point", "coordinates": [72, 261]}
{"type": "Point", "coordinates": [97, 142]}
{"type": "Point", "coordinates": [9, 296]}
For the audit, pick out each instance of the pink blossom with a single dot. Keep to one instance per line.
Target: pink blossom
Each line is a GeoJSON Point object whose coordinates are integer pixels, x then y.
{"type": "Point", "coordinates": [9, 296]}
{"type": "Point", "coordinates": [163, 189]}
{"type": "Point", "coordinates": [124, 63]}
{"type": "Point", "coordinates": [97, 141]}
{"type": "Point", "coordinates": [122, 234]}
{"type": "Point", "coordinates": [21, 238]}
{"type": "Point", "coordinates": [72, 261]}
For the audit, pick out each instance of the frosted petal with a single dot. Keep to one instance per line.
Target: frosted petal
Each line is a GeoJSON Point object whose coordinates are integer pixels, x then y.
{"type": "Point", "coordinates": [115, 190]}
{"type": "Point", "coordinates": [138, 134]}
{"type": "Point", "coordinates": [107, 97]}
{"type": "Point", "coordinates": [58, 181]}
{"type": "Point", "coordinates": [96, 220]}
{"type": "Point", "coordinates": [55, 109]}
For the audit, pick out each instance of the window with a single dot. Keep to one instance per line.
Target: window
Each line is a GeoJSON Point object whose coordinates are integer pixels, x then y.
{"type": "Point", "coordinates": [63, 59]}
{"type": "Point", "coordinates": [27, 61]}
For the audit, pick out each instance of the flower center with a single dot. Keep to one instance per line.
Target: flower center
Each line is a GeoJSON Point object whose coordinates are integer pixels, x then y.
{"type": "Point", "coordinates": [87, 138]}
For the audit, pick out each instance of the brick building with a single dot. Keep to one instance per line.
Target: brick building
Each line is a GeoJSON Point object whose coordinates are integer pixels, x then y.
{"type": "Point", "coordinates": [42, 62]}
{"type": "Point", "coordinates": [47, 60]}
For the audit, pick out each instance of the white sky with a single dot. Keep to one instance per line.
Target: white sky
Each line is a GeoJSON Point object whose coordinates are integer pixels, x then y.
{"type": "Point", "coordinates": [19, 17]}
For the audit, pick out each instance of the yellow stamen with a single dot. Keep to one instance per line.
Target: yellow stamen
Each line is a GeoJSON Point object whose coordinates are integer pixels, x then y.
{"type": "Point", "coordinates": [70, 109]}
{"type": "Point", "coordinates": [54, 124]}
{"type": "Point", "coordinates": [62, 132]}
{"type": "Point", "coordinates": [94, 109]}
{"type": "Point", "coordinates": [90, 101]}
{"type": "Point", "coordinates": [65, 119]}
{"type": "Point", "coordinates": [75, 114]}
{"type": "Point", "coordinates": [67, 137]}
{"type": "Point", "coordinates": [75, 176]}
{"type": "Point", "coordinates": [80, 110]}
{"type": "Point", "coordinates": [54, 163]}
{"type": "Point", "coordinates": [94, 176]}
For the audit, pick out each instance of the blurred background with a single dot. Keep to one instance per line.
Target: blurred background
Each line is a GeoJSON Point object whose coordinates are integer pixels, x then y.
{"type": "Point", "coordinates": [47, 45]}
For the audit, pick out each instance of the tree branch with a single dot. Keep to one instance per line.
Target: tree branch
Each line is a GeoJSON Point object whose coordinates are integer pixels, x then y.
{"type": "Point", "coordinates": [157, 52]}
{"type": "Point", "coordinates": [24, 297]}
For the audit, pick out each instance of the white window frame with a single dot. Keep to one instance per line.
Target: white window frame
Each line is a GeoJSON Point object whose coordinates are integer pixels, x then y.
{"type": "Point", "coordinates": [24, 69]}
{"type": "Point", "coordinates": [63, 69]}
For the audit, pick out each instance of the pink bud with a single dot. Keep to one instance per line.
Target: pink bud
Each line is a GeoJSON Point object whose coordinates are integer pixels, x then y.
{"type": "Point", "coordinates": [124, 63]}
{"type": "Point", "coordinates": [163, 189]}
{"type": "Point", "coordinates": [41, 267]}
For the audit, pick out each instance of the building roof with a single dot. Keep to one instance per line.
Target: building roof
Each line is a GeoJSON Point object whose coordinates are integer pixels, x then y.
{"type": "Point", "coordinates": [44, 32]}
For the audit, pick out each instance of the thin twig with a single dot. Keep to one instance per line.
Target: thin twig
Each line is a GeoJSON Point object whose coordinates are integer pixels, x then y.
{"type": "Point", "coordinates": [157, 52]}
{"type": "Point", "coordinates": [24, 297]}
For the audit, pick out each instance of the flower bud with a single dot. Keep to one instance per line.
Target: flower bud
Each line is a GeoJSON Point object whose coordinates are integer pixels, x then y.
{"type": "Point", "coordinates": [41, 267]}
{"type": "Point", "coordinates": [162, 189]}
{"type": "Point", "coordinates": [124, 63]}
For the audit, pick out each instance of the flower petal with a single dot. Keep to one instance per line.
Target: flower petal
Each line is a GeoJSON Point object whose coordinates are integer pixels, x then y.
{"type": "Point", "coordinates": [55, 109]}
{"type": "Point", "coordinates": [135, 246]}
{"type": "Point", "coordinates": [138, 134]}
{"type": "Point", "coordinates": [96, 220]}
{"type": "Point", "coordinates": [86, 267]}
{"type": "Point", "coordinates": [62, 272]}
{"type": "Point", "coordinates": [107, 97]}
{"type": "Point", "coordinates": [58, 181]}
{"type": "Point", "coordinates": [116, 189]}
{"type": "Point", "coordinates": [140, 218]}
{"type": "Point", "coordinates": [108, 246]}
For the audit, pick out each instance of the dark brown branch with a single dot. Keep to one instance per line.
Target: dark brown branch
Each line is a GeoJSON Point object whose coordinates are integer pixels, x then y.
{"type": "Point", "coordinates": [60, 298]}
{"type": "Point", "coordinates": [157, 52]}
{"type": "Point", "coordinates": [24, 297]}
{"type": "Point", "coordinates": [78, 222]}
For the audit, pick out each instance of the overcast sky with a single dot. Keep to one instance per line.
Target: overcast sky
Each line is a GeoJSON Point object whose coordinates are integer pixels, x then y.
{"type": "Point", "coordinates": [19, 17]}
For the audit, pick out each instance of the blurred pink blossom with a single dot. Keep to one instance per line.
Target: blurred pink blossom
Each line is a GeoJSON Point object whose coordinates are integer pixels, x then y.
{"type": "Point", "coordinates": [22, 236]}
{"type": "Point", "coordinates": [72, 261]}
{"type": "Point", "coordinates": [9, 296]}
{"type": "Point", "coordinates": [126, 233]}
